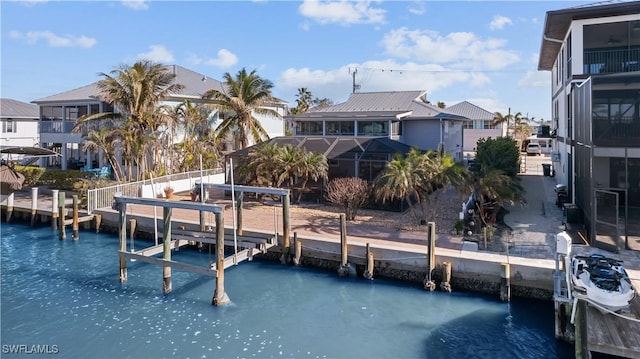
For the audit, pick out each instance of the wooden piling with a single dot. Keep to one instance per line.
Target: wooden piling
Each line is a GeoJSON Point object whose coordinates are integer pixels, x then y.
{"type": "Point", "coordinates": [581, 338]}
{"type": "Point", "coordinates": [239, 213]}
{"type": "Point", "coordinates": [34, 205]}
{"type": "Point", "coordinates": [428, 282]}
{"type": "Point", "coordinates": [61, 206]}
{"type": "Point", "coordinates": [166, 247]}
{"type": "Point", "coordinates": [219, 295]}
{"type": "Point", "coordinates": [54, 209]}
{"type": "Point", "coordinates": [122, 208]}
{"type": "Point", "coordinates": [505, 282]}
{"type": "Point", "coordinates": [286, 224]}
{"type": "Point", "coordinates": [298, 253]}
{"type": "Point", "coordinates": [98, 219]}
{"type": "Point", "coordinates": [368, 273]}
{"type": "Point", "coordinates": [10, 199]}
{"type": "Point", "coordinates": [75, 226]}
{"type": "Point", "coordinates": [132, 231]}
{"type": "Point", "coordinates": [344, 266]}
{"type": "Point", "coordinates": [446, 277]}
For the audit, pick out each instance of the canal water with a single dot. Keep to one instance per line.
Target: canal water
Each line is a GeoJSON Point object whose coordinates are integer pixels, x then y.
{"type": "Point", "coordinates": [64, 297]}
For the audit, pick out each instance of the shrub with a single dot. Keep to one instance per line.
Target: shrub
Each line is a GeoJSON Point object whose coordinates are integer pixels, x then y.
{"type": "Point", "coordinates": [349, 193]}
{"type": "Point", "coordinates": [32, 174]}
{"type": "Point", "coordinates": [66, 180]}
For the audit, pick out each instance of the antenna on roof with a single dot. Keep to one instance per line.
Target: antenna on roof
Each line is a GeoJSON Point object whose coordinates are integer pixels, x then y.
{"type": "Point", "coordinates": [353, 75]}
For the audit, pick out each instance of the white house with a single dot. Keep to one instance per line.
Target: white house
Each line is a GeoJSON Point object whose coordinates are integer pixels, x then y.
{"type": "Point", "coordinates": [19, 124]}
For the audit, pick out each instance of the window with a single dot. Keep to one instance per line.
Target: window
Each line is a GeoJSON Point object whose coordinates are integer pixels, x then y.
{"type": "Point", "coordinates": [373, 128]}
{"type": "Point", "coordinates": [467, 124]}
{"type": "Point", "coordinates": [307, 128]}
{"type": "Point", "coordinates": [488, 124]}
{"type": "Point", "coordinates": [9, 126]}
{"type": "Point", "coordinates": [340, 128]}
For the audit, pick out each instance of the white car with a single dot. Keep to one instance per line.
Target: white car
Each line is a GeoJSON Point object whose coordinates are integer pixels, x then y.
{"type": "Point", "coordinates": [534, 149]}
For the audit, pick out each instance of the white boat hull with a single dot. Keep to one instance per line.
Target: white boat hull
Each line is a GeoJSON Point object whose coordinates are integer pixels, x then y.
{"type": "Point", "coordinates": [603, 281]}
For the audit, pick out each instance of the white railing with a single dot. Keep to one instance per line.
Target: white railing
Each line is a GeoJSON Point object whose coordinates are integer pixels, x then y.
{"type": "Point", "coordinates": [103, 197]}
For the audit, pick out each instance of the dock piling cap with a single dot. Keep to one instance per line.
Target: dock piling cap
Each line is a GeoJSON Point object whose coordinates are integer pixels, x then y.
{"type": "Point", "coordinates": [563, 243]}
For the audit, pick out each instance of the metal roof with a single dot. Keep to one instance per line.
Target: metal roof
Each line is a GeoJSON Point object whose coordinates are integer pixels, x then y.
{"type": "Point", "coordinates": [406, 105]}
{"type": "Point", "coordinates": [470, 111]}
{"type": "Point", "coordinates": [557, 23]}
{"type": "Point", "coordinates": [17, 109]}
{"type": "Point", "coordinates": [196, 84]}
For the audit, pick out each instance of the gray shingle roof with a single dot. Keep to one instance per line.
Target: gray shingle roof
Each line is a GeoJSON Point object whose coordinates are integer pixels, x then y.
{"type": "Point", "coordinates": [17, 109]}
{"type": "Point", "coordinates": [196, 84]}
{"type": "Point", "coordinates": [470, 111]}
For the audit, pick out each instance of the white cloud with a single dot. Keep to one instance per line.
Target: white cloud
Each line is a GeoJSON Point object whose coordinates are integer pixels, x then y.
{"type": "Point", "coordinates": [372, 76]}
{"type": "Point", "coordinates": [136, 4]}
{"type": "Point", "coordinates": [157, 53]}
{"type": "Point", "coordinates": [32, 37]}
{"type": "Point", "coordinates": [225, 59]}
{"type": "Point", "coordinates": [342, 12]}
{"type": "Point", "coordinates": [417, 8]}
{"type": "Point", "coordinates": [460, 50]}
{"type": "Point", "coordinates": [499, 22]}
{"type": "Point", "coordinates": [535, 79]}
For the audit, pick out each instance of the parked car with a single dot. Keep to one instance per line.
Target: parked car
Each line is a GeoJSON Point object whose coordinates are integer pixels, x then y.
{"type": "Point", "coordinates": [533, 149]}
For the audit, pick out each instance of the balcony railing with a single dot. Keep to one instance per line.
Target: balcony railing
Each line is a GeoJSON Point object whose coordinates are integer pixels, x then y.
{"type": "Point", "coordinates": [56, 126]}
{"type": "Point", "coordinates": [621, 132]}
{"type": "Point", "coordinates": [611, 61]}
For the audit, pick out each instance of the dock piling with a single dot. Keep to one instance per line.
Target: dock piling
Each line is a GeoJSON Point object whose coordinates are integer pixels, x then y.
{"type": "Point", "coordinates": [166, 254]}
{"type": "Point", "coordinates": [75, 226]}
{"type": "Point", "coordinates": [34, 205]}
{"type": "Point", "coordinates": [446, 277]}
{"type": "Point", "coordinates": [61, 207]}
{"type": "Point", "coordinates": [428, 282]}
{"type": "Point", "coordinates": [368, 273]}
{"type": "Point", "coordinates": [297, 242]}
{"type": "Point", "coordinates": [98, 219]}
{"type": "Point", "coordinates": [122, 208]}
{"type": "Point", "coordinates": [344, 266]}
{"type": "Point", "coordinates": [54, 209]}
{"type": "Point", "coordinates": [10, 199]}
{"type": "Point", "coordinates": [219, 295]}
{"type": "Point", "coordinates": [505, 282]}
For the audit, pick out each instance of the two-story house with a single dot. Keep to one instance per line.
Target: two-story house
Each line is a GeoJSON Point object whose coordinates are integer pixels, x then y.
{"type": "Point", "coordinates": [19, 124]}
{"type": "Point", "coordinates": [480, 124]}
{"type": "Point", "coordinates": [593, 54]}
{"type": "Point", "coordinates": [361, 135]}
{"type": "Point", "coordinates": [58, 114]}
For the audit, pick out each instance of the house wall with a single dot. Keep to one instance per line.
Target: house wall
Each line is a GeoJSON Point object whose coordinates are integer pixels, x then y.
{"type": "Point", "coordinates": [25, 133]}
{"type": "Point", "coordinates": [422, 134]}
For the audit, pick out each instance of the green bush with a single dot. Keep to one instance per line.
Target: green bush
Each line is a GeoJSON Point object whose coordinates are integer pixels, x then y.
{"type": "Point", "coordinates": [32, 174]}
{"type": "Point", "coordinates": [65, 180]}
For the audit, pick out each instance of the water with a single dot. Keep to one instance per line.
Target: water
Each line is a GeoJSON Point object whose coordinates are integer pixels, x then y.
{"type": "Point", "coordinates": [66, 297]}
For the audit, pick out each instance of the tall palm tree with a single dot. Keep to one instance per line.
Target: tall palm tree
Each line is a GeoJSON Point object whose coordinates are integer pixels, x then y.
{"type": "Point", "coordinates": [194, 123]}
{"type": "Point", "coordinates": [136, 92]}
{"type": "Point", "coordinates": [244, 95]}
{"type": "Point", "coordinates": [304, 100]}
{"type": "Point", "coordinates": [499, 119]}
{"type": "Point", "coordinates": [443, 172]}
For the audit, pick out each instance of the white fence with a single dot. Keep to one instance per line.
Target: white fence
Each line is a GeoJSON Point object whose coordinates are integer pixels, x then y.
{"type": "Point", "coordinates": [103, 197]}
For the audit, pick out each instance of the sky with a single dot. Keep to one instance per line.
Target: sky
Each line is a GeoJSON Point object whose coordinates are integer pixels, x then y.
{"type": "Point", "coordinates": [484, 52]}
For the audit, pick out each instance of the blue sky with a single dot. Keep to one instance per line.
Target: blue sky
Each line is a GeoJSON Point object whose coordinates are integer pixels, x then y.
{"type": "Point", "coordinates": [485, 52]}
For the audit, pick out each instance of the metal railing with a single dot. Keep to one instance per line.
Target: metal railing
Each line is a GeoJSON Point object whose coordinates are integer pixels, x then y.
{"type": "Point", "coordinates": [611, 61]}
{"type": "Point", "coordinates": [103, 197]}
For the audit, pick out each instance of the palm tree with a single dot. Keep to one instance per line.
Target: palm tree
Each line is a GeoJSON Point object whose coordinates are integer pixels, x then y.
{"type": "Point", "coordinates": [444, 172]}
{"type": "Point", "coordinates": [244, 96]}
{"type": "Point", "coordinates": [195, 125]}
{"type": "Point", "coordinates": [499, 118]}
{"type": "Point", "coordinates": [402, 179]}
{"type": "Point", "coordinates": [314, 166]}
{"type": "Point", "coordinates": [136, 92]}
{"type": "Point", "coordinates": [303, 102]}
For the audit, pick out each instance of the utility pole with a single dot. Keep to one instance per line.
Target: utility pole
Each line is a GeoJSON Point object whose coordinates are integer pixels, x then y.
{"type": "Point", "coordinates": [354, 86]}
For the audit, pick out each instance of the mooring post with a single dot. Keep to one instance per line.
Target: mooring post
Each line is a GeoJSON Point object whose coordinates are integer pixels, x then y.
{"type": "Point", "coordinates": [505, 282]}
{"type": "Point", "coordinates": [203, 226]}
{"type": "Point", "coordinates": [219, 295]}
{"type": "Point", "coordinates": [239, 213]}
{"type": "Point", "coordinates": [61, 204]}
{"type": "Point", "coordinates": [343, 270]}
{"type": "Point", "coordinates": [446, 277]}
{"type": "Point", "coordinates": [132, 231]}
{"type": "Point", "coordinates": [122, 208]}
{"type": "Point", "coordinates": [75, 226]}
{"type": "Point", "coordinates": [581, 337]}
{"type": "Point", "coordinates": [298, 244]}
{"type": "Point", "coordinates": [10, 198]}
{"type": "Point", "coordinates": [368, 273]}
{"type": "Point", "coordinates": [98, 219]}
{"type": "Point", "coordinates": [34, 205]}
{"type": "Point", "coordinates": [166, 247]}
{"type": "Point", "coordinates": [286, 230]}
{"type": "Point", "coordinates": [428, 282]}
{"type": "Point", "coordinates": [54, 209]}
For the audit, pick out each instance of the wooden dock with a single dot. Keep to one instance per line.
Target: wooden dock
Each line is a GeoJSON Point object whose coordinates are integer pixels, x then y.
{"type": "Point", "coordinates": [611, 334]}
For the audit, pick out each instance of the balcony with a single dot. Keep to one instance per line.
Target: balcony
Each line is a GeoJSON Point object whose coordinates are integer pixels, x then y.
{"type": "Point", "coordinates": [616, 132]}
{"type": "Point", "coordinates": [56, 126]}
{"type": "Point", "coordinates": [599, 61]}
